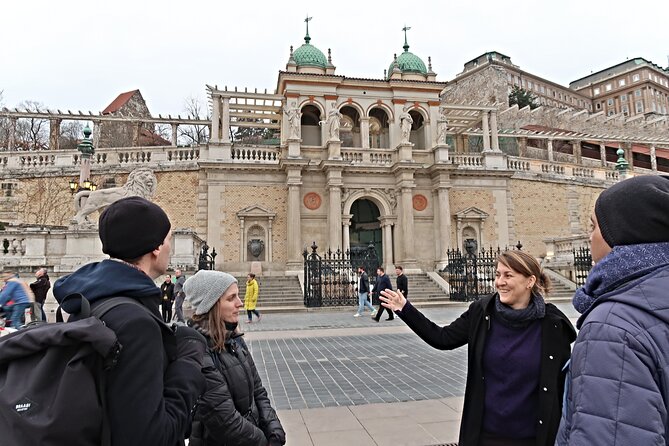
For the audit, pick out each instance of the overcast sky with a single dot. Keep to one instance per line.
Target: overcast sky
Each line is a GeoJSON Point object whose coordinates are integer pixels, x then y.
{"type": "Point", "coordinates": [80, 55]}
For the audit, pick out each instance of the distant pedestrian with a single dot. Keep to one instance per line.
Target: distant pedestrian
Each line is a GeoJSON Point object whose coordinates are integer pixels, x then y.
{"type": "Point", "coordinates": [402, 281]}
{"type": "Point", "coordinates": [382, 284]}
{"type": "Point", "coordinates": [40, 287]}
{"type": "Point", "coordinates": [363, 291]}
{"type": "Point", "coordinates": [618, 385]}
{"type": "Point", "coordinates": [15, 297]}
{"type": "Point", "coordinates": [167, 300]}
{"type": "Point", "coordinates": [517, 346]}
{"type": "Point", "coordinates": [236, 409]}
{"type": "Point", "coordinates": [179, 295]}
{"type": "Point", "coordinates": [251, 297]}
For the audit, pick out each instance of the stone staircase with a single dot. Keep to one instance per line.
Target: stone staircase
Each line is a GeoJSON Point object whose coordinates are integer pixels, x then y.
{"type": "Point", "coordinates": [276, 292]}
{"type": "Point", "coordinates": [559, 290]}
{"type": "Point", "coordinates": [422, 290]}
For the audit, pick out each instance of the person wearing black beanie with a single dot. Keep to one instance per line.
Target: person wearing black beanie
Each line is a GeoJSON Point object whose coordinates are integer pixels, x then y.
{"type": "Point", "coordinates": [617, 389]}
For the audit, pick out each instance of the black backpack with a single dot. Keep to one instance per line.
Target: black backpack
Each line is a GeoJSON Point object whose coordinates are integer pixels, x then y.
{"type": "Point", "coordinates": [52, 379]}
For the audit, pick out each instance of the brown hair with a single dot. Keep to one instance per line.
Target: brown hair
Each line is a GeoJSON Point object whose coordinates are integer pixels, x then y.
{"type": "Point", "coordinates": [525, 264]}
{"type": "Point", "coordinates": [212, 322]}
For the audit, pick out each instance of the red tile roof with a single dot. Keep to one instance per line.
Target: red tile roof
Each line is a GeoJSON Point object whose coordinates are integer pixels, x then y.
{"type": "Point", "coordinates": [119, 102]}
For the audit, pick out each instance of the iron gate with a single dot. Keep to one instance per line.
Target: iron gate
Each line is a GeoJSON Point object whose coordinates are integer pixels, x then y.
{"type": "Point", "coordinates": [330, 280]}
{"type": "Point", "coordinates": [582, 264]}
{"type": "Point", "coordinates": [471, 275]}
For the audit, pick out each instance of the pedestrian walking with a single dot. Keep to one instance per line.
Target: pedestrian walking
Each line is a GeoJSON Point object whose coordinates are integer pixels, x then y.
{"type": "Point", "coordinates": [167, 293]}
{"type": "Point", "coordinates": [235, 409]}
{"type": "Point", "coordinates": [179, 295]}
{"type": "Point", "coordinates": [618, 385]}
{"type": "Point", "coordinates": [15, 298]}
{"type": "Point", "coordinates": [40, 287]}
{"type": "Point", "coordinates": [382, 284]}
{"type": "Point", "coordinates": [363, 290]}
{"type": "Point", "coordinates": [402, 281]}
{"type": "Point", "coordinates": [517, 346]}
{"type": "Point", "coordinates": [251, 297]}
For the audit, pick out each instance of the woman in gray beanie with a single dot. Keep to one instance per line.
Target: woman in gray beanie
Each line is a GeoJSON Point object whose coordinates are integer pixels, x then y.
{"type": "Point", "coordinates": [235, 409]}
{"type": "Point", "coordinates": [618, 382]}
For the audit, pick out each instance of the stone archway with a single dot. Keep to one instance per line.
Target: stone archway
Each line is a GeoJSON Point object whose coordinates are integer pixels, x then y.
{"type": "Point", "coordinates": [365, 227]}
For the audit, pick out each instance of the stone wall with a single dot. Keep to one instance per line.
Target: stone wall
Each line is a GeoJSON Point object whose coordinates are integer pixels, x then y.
{"type": "Point", "coordinates": [177, 194]}
{"type": "Point", "coordinates": [483, 199]}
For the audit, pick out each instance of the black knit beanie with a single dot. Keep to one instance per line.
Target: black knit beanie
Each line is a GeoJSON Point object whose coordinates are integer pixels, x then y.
{"type": "Point", "coordinates": [132, 227]}
{"type": "Point", "coordinates": [635, 211]}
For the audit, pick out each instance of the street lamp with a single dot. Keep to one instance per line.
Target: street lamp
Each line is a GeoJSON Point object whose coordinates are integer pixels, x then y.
{"type": "Point", "coordinates": [87, 150]}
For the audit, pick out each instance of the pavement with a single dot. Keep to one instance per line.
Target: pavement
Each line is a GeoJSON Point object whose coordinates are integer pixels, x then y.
{"type": "Point", "coordinates": [335, 379]}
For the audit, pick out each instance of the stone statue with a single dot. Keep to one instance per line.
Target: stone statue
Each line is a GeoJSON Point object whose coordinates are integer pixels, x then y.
{"type": "Point", "coordinates": [294, 120]}
{"type": "Point", "coordinates": [442, 127]}
{"type": "Point", "coordinates": [333, 123]}
{"type": "Point", "coordinates": [405, 124]}
{"type": "Point", "coordinates": [141, 183]}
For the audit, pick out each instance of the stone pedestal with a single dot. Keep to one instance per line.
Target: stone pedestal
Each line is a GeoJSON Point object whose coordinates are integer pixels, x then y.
{"type": "Point", "coordinates": [404, 151]}
{"type": "Point", "coordinates": [221, 152]}
{"type": "Point", "coordinates": [82, 246]}
{"type": "Point", "coordinates": [294, 148]}
{"type": "Point", "coordinates": [256, 268]}
{"type": "Point", "coordinates": [334, 149]}
{"type": "Point", "coordinates": [494, 160]}
{"type": "Point", "coordinates": [441, 153]}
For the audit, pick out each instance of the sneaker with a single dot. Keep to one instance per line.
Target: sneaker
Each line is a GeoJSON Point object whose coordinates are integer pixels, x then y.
{"type": "Point", "coordinates": [356, 315]}
{"type": "Point", "coordinates": [373, 313]}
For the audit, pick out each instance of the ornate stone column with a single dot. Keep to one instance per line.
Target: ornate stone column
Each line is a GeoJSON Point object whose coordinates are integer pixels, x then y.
{"type": "Point", "coordinates": [175, 134]}
{"type": "Point", "coordinates": [334, 216]}
{"type": "Point", "coordinates": [242, 240]}
{"type": "Point", "coordinates": [364, 132]}
{"type": "Point", "coordinates": [486, 131]}
{"type": "Point", "coordinates": [653, 158]}
{"type": "Point", "coordinates": [97, 131]}
{"type": "Point", "coordinates": [550, 150]}
{"type": "Point", "coordinates": [225, 121]}
{"type": "Point", "coordinates": [602, 154]}
{"type": "Point", "coordinates": [442, 226]}
{"type": "Point", "coordinates": [11, 141]}
{"type": "Point", "coordinates": [54, 133]}
{"type": "Point", "coordinates": [406, 219]}
{"type": "Point", "coordinates": [294, 262]}
{"type": "Point", "coordinates": [493, 127]}
{"type": "Point", "coordinates": [387, 234]}
{"type": "Point", "coordinates": [135, 133]}
{"type": "Point", "coordinates": [215, 120]}
{"type": "Point", "coordinates": [346, 236]}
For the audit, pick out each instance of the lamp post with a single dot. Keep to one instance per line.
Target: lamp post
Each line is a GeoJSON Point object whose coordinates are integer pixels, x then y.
{"type": "Point", "coordinates": [87, 150]}
{"type": "Point", "coordinates": [621, 165]}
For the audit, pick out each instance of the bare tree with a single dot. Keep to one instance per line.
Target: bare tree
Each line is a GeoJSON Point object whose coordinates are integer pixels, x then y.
{"type": "Point", "coordinates": [71, 132]}
{"type": "Point", "coordinates": [194, 134]}
{"type": "Point", "coordinates": [47, 201]}
{"type": "Point", "coordinates": [32, 133]}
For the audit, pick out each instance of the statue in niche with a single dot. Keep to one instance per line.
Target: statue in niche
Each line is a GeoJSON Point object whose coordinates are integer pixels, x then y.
{"type": "Point", "coordinates": [333, 123]}
{"type": "Point", "coordinates": [294, 120]}
{"type": "Point", "coordinates": [256, 246]}
{"type": "Point", "coordinates": [442, 127]}
{"type": "Point", "coordinates": [406, 121]}
{"type": "Point", "coordinates": [471, 246]}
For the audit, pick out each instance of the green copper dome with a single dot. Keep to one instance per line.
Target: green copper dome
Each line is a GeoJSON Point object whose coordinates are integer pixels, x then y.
{"type": "Point", "coordinates": [407, 61]}
{"type": "Point", "coordinates": [310, 56]}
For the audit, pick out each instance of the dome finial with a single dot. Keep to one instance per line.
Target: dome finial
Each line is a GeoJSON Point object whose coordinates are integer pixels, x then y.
{"type": "Point", "coordinates": [406, 45]}
{"type": "Point", "coordinates": [329, 56]}
{"type": "Point", "coordinates": [429, 63]}
{"type": "Point", "coordinates": [307, 38]}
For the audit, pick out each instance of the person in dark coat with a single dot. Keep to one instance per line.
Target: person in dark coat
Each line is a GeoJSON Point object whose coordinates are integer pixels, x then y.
{"type": "Point", "coordinates": [382, 283]}
{"type": "Point", "coordinates": [517, 346]}
{"type": "Point", "coordinates": [402, 281]}
{"type": "Point", "coordinates": [167, 296]}
{"type": "Point", "coordinates": [157, 378]}
{"type": "Point", "coordinates": [40, 287]}
{"type": "Point", "coordinates": [618, 380]}
{"type": "Point", "coordinates": [362, 288]}
{"type": "Point", "coordinates": [235, 409]}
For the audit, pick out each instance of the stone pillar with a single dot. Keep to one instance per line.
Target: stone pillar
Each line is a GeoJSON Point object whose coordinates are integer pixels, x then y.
{"type": "Point", "coordinates": [293, 237]}
{"type": "Point", "coordinates": [215, 135]}
{"type": "Point", "coordinates": [242, 240]}
{"type": "Point", "coordinates": [629, 155]}
{"type": "Point", "coordinates": [442, 226]}
{"type": "Point", "coordinates": [364, 132]}
{"type": "Point", "coordinates": [576, 148]}
{"type": "Point", "coordinates": [550, 150]}
{"type": "Point", "coordinates": [225, 121]}
{"type": "Point", "coordinates": [334, 217]}
{"type": "Point", "coordinates": [346, 237]}
{"type": "Point", "coordinates": [406, 220]}
{"type": "Point", "coordinates": [522, 146]}
{"type": "Point", "coordinates": [11, 141]}
{"type": "Point", "coordinates": [405, 151]}
{"type": "Point", "coordinates": [270, 250]}
{"type": "Point", "coordinates": [175, 134]}
{"type": "Point", "coordinates": [493, 128]}
{"type": "Point", "coordinates": [387, 234]}
{"type": "Point", "coordinates": [54, 133]}
{"type": "Point", "coordinates": [135, 133]}
{"type": "Point", "coordinates": [486, 132]}
{"type": "Point", "coordinates": [97, 131]}
{"type": "Point", "coordinates": [653, 158]}
{"type": "Point", "coordinates": [602, 154]}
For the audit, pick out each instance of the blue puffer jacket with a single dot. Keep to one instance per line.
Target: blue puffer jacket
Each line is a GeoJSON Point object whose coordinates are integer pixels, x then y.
{"type": "Point", "coordinates": [618, 394]}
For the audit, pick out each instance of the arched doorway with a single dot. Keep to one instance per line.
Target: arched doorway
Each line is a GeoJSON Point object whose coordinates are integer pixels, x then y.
{"type": "Point", "coordinates": [417, 136]}
{"type": "Point", "coordinates": [378, 129]}
{"type": "Point", "coordinates": [311, 131]}
{"type": "Point", "coordinates": [365, 227]}
{"type": "Point", "coordinates": [349, 132]}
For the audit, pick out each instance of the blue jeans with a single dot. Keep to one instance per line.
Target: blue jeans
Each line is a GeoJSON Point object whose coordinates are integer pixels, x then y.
{"type": "Point", "coordinates": [17, 313]}
{"type": "Point", "coordinates": [363, 302]}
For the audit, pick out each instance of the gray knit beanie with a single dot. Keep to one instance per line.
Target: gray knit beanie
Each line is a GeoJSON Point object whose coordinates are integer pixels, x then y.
{"type": "Point", "coordinates": [204, 288]}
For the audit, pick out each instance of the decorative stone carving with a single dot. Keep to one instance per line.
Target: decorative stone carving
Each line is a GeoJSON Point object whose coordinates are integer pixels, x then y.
{"type": "Point", "coordinates": [405, 124]}
{"type": "Point", "coordinates": [312, 201]}
{"type": "Point", "coordinates": [333, 123]}
{"type": "Point", "coordinates": [294, 120]}
{"type": "Point", "coordinates": [442, 127]}
{"type": "Point", "coordinates": [419, 202]}
{"type": "Point", "coordinates": [256, 247]}
{"type": "Point", "coordinates": [141, 183]}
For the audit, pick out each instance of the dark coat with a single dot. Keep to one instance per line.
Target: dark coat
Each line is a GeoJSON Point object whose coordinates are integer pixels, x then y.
{"type": "Point", "coordinates": [364, 283]}
{"type": "Point", "coordinates": [235, 410]}
{"type": "Point", "coordinates": [403, 285]}
{"type": "Point", "coordinates": [471, 328]}
{"type": "Point", "coordinates": [150, 393]}
{"type": "Point", "coordinates": [167, 291]}
{"type": "Point", "coordinates": [40, 287]}
{"type": "Point", "coordinates": [382, 283]}
{"type": "Point", "coordinates": [618, 391]}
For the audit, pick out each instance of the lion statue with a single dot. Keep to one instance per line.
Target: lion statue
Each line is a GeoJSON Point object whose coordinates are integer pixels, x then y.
{"type": "Point", "coordinates": [141, 183]}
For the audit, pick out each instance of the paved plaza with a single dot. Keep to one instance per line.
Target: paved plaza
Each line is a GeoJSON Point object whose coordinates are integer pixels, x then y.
{"type": "Point", "coordinates": [336, 379]}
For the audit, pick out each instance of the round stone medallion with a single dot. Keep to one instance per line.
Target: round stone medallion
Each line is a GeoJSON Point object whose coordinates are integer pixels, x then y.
{"type": "Point", "coordinates": [312, 201]}
{"type": "Point", "coordinates": [419, 202]}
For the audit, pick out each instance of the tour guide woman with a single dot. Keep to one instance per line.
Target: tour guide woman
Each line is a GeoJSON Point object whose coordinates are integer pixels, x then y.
{"type": "Point", "coordinates": [235, 409]}
{"type": "Point", "coordinates": [517, 348]}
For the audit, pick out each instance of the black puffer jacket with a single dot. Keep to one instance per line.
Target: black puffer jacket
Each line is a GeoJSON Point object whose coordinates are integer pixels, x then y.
{"type": "Point", "coordinates": [235, 409]}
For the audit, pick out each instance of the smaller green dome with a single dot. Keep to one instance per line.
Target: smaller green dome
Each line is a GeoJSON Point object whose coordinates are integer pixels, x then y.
{"type": "Point", "coordinates": [310, 56]}
{"type": "Point", "coordinates": [408, 62]}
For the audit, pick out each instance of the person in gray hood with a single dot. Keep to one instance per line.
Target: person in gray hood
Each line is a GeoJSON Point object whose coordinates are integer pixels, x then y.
{"type": "Point", "coordinates": [617, 391]}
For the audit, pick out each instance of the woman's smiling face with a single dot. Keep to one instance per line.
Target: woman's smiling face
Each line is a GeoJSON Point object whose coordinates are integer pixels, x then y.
{"type": "Point", "coordinates": [514, 288]}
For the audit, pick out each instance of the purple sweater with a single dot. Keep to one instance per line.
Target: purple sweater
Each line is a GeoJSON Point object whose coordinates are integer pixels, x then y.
{"type": "Point", "coordinates": [511, 367]}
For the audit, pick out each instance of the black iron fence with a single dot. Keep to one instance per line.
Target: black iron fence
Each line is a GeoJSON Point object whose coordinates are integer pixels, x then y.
{"type": "Point", "coordinates": [471, 274]}
{"type": "Point", "coordinates": [330, 279]}
{"type": "Point", "coordinates": [582, 264]}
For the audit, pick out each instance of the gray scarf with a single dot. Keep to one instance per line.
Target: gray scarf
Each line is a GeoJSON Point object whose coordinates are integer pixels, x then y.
{"type": "Point", "coordinates": [536, 309]}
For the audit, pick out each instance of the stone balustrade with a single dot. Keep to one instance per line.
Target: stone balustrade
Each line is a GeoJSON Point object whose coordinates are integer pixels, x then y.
{"type": "Point", "coordinates": [256, 154]}
{"type": "Point", "coordinates": [468, 160]}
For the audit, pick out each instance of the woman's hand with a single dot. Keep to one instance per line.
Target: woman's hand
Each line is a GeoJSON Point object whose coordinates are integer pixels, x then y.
{"type": "Point", "coordinates": [394, 300]}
